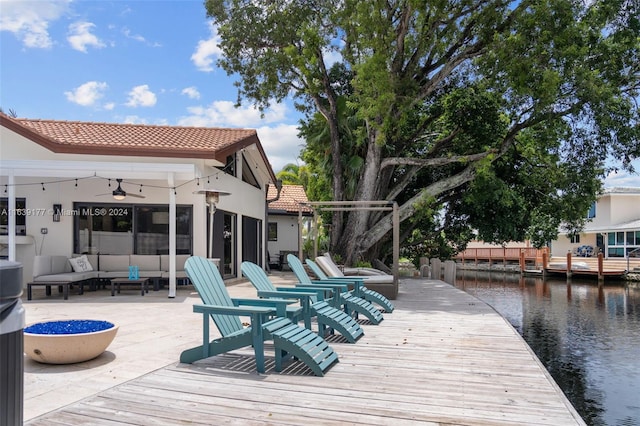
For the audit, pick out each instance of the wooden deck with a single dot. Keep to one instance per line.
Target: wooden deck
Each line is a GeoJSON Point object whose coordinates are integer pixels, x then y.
{"type": "Point", "coordinates": [442, 357]}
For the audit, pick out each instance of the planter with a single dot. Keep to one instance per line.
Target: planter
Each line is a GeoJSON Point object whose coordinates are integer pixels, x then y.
{"type": "Point", "coordinates": [68, 341]}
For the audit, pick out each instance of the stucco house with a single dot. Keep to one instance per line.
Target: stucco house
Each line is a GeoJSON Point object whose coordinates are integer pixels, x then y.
{"type": "Point", "coordinates": [84, 187]}
{"type": "Point", "coordinates": [287, 220]}
{"type": "Point", "coordinates": [613, 227]}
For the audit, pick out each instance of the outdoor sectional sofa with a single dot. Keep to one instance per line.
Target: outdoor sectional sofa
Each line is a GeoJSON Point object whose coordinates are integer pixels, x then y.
{"type": "Point", "coordinates": [55, 270]}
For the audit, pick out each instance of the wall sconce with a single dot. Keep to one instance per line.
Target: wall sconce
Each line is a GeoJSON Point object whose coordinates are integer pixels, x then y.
{"type": "Point", "coordinates": [57, 212]}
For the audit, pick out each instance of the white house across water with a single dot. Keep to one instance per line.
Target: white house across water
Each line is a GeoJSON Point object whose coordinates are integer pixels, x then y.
{"type": "Point", "coordinates": [613, 227]}
{"type": "Point", "coordinates": [82, 187]}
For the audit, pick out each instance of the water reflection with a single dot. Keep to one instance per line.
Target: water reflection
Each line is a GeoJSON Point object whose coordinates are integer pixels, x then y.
{"type": "Point", "coordinates": [587, 336]}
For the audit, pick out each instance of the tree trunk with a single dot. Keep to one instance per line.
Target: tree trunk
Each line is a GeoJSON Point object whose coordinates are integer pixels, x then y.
{"type": "Point", "coordinates": [358, 221]}
{"type": "Point", "coordinates": [331, 116]}
{"type": "Point", "coordinates": [338, 178]}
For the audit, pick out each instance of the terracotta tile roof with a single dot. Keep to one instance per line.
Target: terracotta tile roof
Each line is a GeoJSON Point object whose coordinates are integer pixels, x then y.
{"type": "Point", "coordinates": [77, 137]}
{"type": "Point", "coordinates": [290, 197]}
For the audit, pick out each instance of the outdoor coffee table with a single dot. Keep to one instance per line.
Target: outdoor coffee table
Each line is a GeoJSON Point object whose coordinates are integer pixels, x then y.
{"type": "Point", "coordinates": [117, 282]}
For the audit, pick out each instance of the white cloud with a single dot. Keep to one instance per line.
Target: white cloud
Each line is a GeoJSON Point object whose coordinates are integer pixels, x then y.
{"type": "Point", "coordinates": [331, 57]}
{"type": "Point", "coordinates": [623, 179]}
{"type": "Point", "coordinates": [141, 96]}
{"type": "Point", "coordinates": [281, 144]}
{"type": "Point", "coordinates": [191, 92]}
{"type": "Point", "coordinates": [137, 37]}
{"type": "Point", "coordinates": [207, 51]}
{"type": "Point", "coordinates": [225, 113]}
{"type": "Point", "coordinates": [29, 21]}
{"type": "Point", "coordinates": [109, 106]}
{"type": "Point", "coordinates": [87, 94]}
{"type": "Point", "coordinates": [134, 119]}
{"type": "Point", "coordinates": [279, 140]}
{"type": "Point", "coordinates": [80, 36]}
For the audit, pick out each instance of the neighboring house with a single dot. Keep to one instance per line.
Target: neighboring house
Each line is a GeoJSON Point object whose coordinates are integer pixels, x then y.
{"type": "Point", "coordinates": [59, 178]}
{"type": "Point", "coordinates": [613, 228]}
{"type": "Point", "coordinates": [284, 229]}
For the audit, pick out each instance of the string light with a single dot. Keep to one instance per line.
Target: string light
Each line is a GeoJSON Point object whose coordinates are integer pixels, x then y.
{"type": "Point", "coordinates": [95, 176]}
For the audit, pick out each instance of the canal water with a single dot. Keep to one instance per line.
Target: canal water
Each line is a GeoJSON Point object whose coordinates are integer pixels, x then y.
{"type": "Point", "coordinates": [588, 337]}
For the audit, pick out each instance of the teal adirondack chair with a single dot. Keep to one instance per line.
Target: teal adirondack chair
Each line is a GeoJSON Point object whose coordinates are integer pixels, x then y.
{"type": "Point", "coordinates": [268, 322]}
{"type": "Point", "coordinates": [327, 316]}
{"type": "Point", "coordinates": [351, 302]}
{"type": "Point", "coordinates": [360, 289]}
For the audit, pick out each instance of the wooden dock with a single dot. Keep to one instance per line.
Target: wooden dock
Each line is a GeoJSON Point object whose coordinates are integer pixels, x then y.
{"type": "Point", "coordinates": [594, 267]}
{"type": "Point", "coordinates": [442, 357]}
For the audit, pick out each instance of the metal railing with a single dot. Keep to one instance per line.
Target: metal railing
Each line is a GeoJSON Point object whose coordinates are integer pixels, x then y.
{"type": "Point", "coordinates": [629, 256]}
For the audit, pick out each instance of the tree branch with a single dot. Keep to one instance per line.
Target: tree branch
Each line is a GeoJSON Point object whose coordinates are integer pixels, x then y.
{"type": "Point", "coordinates": [430, 162]}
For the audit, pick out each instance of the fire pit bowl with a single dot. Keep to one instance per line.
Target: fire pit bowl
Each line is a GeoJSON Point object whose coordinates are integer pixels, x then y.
{"type": "Point", "coordinates": [67, 341]}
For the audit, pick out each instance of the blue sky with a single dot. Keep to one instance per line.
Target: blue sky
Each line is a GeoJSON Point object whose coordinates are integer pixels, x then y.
{"type": "Point", "coordinates": [149, 62]}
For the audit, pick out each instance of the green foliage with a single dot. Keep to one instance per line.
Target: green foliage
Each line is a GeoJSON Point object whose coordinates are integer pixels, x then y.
{"type": "Point", "coordinates": [481, 119]}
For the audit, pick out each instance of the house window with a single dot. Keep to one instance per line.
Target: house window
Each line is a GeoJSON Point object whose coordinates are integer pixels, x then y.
{"type": "Point", "coordinates": [575, 238]}
{"type": "Point", "coordinates": [592, 211]}
{"type": "Point", "coordinates": [621, 244]}
{"type": "Point", "coordinates": [273, 231]}
{"type": "Point", "coordinates": [20, 215]}
{"type": "Point", "coordinates": [230, 165]}
{"type": "Point", "coordinates": [103, 228]}
{"type": "Point", "coordinates": [129, 229]}
{"type": "Point", "coordinates": [151, 234]}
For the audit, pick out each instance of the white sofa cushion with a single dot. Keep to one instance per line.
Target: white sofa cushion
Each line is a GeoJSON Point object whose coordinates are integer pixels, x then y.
{"type": "Point", "coordinates": [145, 262]}
{"type": "Point", "coordinates": [180, 260]}
{"type": "Point", "coordinates": [81, 264]}
{"type": "Point", "coordinates": [114, 263]}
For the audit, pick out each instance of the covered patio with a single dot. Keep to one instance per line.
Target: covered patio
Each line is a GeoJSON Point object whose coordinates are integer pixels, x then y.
{"type": "Point", "coordinates": [153, 177]}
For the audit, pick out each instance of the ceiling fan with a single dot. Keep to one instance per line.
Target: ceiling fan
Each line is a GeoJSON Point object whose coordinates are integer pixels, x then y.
{"type": "Point", "coordinates": [120, 194]}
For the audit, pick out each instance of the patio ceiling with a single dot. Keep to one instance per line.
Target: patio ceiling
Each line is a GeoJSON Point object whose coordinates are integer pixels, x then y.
{"type": "Point", "coordinates": [82, 169]}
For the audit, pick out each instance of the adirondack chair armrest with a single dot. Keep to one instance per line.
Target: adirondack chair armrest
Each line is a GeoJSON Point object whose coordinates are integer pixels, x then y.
{"type": "Point", "coordinates": [282, 293]}
{"type": "Point", "coordinates": [263, 302]}
{"type": "Point", "coordinates": [350, 279]}
{"type": "Point", "coordinates": [279, 304]}
{"type": "Point", "coordinates": [357, 283]}
{"type": "Point", "coordinates": [338, 285]}
{"type": "Point", "coordinates": [321, 293]}
{"type": "Point", "coordinates": [303, 296]}
{"type": "Point", "coordinates": [233, 310]}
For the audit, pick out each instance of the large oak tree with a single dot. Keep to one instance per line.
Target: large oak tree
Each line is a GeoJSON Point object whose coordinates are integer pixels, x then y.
{"type": "Point", "coordinates": [492, 115]}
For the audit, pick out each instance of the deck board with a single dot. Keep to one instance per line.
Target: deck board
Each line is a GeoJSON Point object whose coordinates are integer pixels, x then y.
{"type": "Point", "coordinates": [442, 357]}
